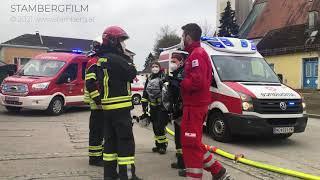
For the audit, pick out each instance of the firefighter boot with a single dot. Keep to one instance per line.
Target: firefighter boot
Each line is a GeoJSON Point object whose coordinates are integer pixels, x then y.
{"type": "Point", "coordinates": [155, 149]}
{"type": "Point", "coordinates": [222, 175]}
{"type": "Point", "coordinates": [182, 172]}
{"type": "Point", "coordinates": [179, 164]}
{"type": "Point", "coordinates": [162, 148]}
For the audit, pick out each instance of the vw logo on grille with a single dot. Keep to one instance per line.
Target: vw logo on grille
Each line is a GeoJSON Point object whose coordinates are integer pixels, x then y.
{"type": "Point", "coordinates": [14, 88]}
{"type": "Point", "coordinates": [283, 106]}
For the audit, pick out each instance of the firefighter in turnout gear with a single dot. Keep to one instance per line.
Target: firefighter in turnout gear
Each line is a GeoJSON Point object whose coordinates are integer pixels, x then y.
{"type": "Point", "coordinates": [96, 116]}
{"type": "Point", "coordinates": [116, 72]}
{"type": "Point", "coordinates": [176, 69]}
{"type": "Point", "coordinates": [152, 96]}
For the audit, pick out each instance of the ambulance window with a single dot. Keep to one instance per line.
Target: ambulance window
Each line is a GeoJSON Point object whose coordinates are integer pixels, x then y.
{"type": "Point", "coordinates": [84, 65]}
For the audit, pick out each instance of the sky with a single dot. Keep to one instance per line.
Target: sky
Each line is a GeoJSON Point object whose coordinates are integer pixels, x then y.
{"type": "Point", "coordinates": [142, 19]}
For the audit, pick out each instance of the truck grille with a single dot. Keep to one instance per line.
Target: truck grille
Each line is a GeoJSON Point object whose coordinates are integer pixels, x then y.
{"type": "Point", "coordinates": [14, 89]}
{"type": "Point", "coordinates": [278, 106]}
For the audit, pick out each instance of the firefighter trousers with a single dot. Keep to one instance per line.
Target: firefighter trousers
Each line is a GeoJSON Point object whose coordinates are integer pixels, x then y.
{"type": "Point", "coordinates": [120, 145]}
{"type": "Point", "coordinates": [159, 119]}
{"type": "Point", "coordinates": [177, 141]}
{"type": "Point", "coordinates": [96, 135]}
{"type": "Point", "coordinates": [196, 157]}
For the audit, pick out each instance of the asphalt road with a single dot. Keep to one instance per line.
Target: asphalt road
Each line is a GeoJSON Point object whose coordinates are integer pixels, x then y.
{"type": "Point", "coordinates": [36, 146]}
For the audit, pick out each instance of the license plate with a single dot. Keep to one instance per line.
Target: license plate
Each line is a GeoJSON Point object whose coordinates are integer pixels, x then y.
{"type": "Point", "coordinates": [11, 98]}
{"type": "Point", "coordinates": [283, 130]}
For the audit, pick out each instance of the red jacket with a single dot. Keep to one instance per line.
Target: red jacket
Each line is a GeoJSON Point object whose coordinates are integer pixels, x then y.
{"type": "Point", "coordinates": [195, 87]}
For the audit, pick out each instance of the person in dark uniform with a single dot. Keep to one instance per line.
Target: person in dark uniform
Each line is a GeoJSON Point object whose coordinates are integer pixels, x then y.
{"type": "Point", "coordinates": [176, 70]}
{"type": "Point", "coordinates": [96, 116]}
{"type": "Point", "coordinates": [152, 95]}
{"type": "Point", "coordinates": [116, 72]}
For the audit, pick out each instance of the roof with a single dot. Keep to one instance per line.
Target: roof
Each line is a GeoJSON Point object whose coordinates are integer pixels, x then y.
{"type": "Point", "coordinates": [50, 42]}
{"type": "Point", "coordinates": [289, 39]}
{"type": "Point", "coordinates": [274, 15]}
{"type": "Point", "coordinates": [315, 6]}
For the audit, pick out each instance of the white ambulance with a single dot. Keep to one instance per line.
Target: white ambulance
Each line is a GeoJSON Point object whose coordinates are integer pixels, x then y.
{"type": "Point", "coordinates": [247, 96]}
{"type": "Point", "coordinates": [137, 87]}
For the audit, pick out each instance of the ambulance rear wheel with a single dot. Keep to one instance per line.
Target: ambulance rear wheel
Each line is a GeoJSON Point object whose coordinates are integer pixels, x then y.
{"type": "Point", "coordinates": [218, 127]}
{"type": "Point", "coordinates": [56, 106]}
{"type": "Point", "coordinates": [136, 99]}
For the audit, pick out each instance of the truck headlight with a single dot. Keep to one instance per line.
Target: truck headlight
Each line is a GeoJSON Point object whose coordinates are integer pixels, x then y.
{"type": "Point", "coordinates": [40, 86]}
{"type": "Point", "coordinates": [247, 104]}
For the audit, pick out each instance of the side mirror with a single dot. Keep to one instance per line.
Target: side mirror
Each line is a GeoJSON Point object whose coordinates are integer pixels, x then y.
{"type": "Point", "coordinates": [280, 77]}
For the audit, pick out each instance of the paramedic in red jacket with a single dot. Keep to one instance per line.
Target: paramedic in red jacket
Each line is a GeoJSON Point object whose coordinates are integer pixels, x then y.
{"type": "Point", "coordinates": [196, 97]}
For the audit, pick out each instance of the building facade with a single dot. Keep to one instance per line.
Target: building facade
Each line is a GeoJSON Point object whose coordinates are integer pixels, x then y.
{"type": "Point", "coordinates": [242, 8]}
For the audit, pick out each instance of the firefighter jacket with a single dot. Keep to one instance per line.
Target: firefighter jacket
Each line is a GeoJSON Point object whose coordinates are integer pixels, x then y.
{"type": "Point", "coordinates": [115, 72]}
{"type": "Point", "coordinates": [91, 90]}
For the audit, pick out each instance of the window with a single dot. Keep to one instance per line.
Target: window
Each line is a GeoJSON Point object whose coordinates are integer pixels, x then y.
{"type": "Point", "coordinates": [315, 73]}
{"type": "Point", "coordinates": [20, 61]}
{"type": "Point", "coordinates": [244, 69]}
{"type": "Point", "coordinates": [312, 18]}
{"type": "Point", "coordinates": [44, 68]}
{"type": "Point", "coordinates": [24, 61]}
{"type": "Point", "coordinates": [71, 72]}
{"type": "Point", "coordinates": [308, 70]}
{"type": "Point", "coordinates": [84, 65]}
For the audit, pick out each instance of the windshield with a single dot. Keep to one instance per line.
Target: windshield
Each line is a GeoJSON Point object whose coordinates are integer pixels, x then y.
{"type": "Point", "coordinates": [244, 69]}
{"type": "Point", "coordinates": [46, 68]}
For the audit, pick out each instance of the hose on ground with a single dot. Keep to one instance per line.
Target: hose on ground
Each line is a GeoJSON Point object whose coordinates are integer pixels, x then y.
{"type": "Point", "coordinates": [241, 159]}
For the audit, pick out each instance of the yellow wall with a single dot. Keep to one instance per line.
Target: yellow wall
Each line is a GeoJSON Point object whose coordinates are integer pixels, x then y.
{"type": "Point", "coordinates": [291, 66]}
{"type": "Point", "coordinates": [9, 53]}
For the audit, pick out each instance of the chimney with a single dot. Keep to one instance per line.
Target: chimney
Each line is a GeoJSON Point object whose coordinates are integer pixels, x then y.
{"type": "Point", "coordinates": [40, 37]}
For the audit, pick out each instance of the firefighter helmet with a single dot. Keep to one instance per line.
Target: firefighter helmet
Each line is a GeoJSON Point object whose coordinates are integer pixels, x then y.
{"type": "Point", "coordinates": [113, 35]}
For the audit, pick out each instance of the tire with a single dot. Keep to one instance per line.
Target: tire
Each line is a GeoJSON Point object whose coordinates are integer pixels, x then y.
{"type": "Point", "coordinates": [218, 128]}
{"type": "Point", "coordinates": [282, 136]}
{"type": "Point", "coordinates": [12, 109]}
{"type": "Point", "coordinates": [56, 106]}
{"type": "Point", "coordinates": [136, 99]}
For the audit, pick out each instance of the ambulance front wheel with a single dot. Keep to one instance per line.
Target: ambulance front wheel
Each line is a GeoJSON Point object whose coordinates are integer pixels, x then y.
{"type": "Point", "coordinates": [218, 127]}
{"type": "Point", "coordinates": [56, 106]}
{"type": "Point", "coordinates": [136, 99]}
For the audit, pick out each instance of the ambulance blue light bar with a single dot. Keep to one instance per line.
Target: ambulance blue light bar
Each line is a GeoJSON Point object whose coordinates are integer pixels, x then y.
{"type": "Point", "coordinates": [226, 42]}
{"type": "Point", "coordinates": [244, 43]}
{"type": "Point", "coordinates": [205, 38]}
{"type": "Point", "coordinates": [216, 44]}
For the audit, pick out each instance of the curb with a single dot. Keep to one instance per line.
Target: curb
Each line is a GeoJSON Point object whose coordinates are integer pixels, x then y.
{"type": "Point", "coordinates": [317, 116]}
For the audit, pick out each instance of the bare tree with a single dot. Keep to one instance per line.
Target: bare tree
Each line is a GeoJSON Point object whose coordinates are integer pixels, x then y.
{"type": "Point", "coordinates": [166, 38]}
{"type": "Point", "coordinates": [207, 29]}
